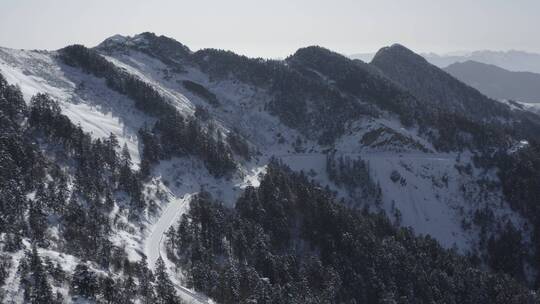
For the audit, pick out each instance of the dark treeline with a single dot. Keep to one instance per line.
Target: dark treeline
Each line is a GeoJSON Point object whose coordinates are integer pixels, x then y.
{"type": "Point", "coordinates": [201, 91]}
{"type": "Point", "coordinates": [177, 135]}
{"type": "Point", "coordinates": [353, 175]}
{"type": "Point", "coordinates": [289, 242]}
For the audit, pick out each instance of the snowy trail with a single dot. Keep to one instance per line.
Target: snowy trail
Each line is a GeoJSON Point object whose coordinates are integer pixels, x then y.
{"type": "Point", "coordinates": [168, 216]}
{"type": "Point", "coordinates": [154, 246]}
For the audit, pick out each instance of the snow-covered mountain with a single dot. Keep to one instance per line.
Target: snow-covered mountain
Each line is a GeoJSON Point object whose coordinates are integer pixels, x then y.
{"type": "Point", "coordinates": [397, 136]}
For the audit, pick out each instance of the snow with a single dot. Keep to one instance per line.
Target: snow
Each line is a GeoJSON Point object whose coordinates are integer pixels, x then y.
{"type": "Point", "coordinates": [14, 292]}
{"type": "Point", "coordinates": [181, 179]}
{"type": "Point", "coordinates": [155, 247]}
{"type": "Point", "coordinates": [425, 202]}
{"type": "Point", "coordinates": [154, 242]}
{"type": "Point", "coordinates": [138, 66]}
{"type": "Point", "coordinates": [423, 206]}
{"type": "Point", "coordinates": [242, 106]}
{"type": "Point", "coordinates": [86, 100]}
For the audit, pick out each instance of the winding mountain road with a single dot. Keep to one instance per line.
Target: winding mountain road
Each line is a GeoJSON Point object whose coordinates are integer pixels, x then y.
{"type": "Point", "coordinates": [155, 248]}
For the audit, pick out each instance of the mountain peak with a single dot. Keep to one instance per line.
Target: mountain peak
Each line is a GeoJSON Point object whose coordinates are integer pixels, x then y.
{"type": "Point", "coordinates": [398, 52]}
{"type": "Point", "coordinates": [114, 41]}
{"type": "Point", "coordinates": [315, 53]}
{"type": "Point", "coordinates": [118, 41]}
{"type": "Point", "coordinates": [145, 41]}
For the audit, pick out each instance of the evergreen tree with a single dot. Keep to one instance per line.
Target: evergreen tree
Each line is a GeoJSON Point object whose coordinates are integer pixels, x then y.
{"type": "Point", "coordinates": [36, 286]}
{"type": "Point", "coordinates": [109, 290]}
{"type": "Point", "coordinates": [37, 217]}
{"type": "Point", "coordinates": [146, 280]}
{"type": "Point", "coordinates": [165, 291]}
{"type": "Point", "coordinates": [506, 251]}
{"type": "Point", "coordinates": [83, 282]}
{"type": "Point", "coordinates": [129, 290]}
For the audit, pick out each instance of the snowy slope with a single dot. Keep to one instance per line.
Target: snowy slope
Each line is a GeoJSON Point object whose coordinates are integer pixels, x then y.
{"type": "Point", "coordinates": [241, 106]}
{"type": "Point", "coordinates": [85, 99]}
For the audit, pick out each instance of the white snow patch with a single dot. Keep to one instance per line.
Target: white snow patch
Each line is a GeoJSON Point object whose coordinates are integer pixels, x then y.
{"type": "Point", "coordinates": [85, 99]}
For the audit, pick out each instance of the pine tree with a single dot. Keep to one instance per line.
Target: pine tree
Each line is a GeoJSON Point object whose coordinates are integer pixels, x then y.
{"type": "Point", "coordinates": [83, 283]}
{"type": "Point", "coordinates": [165, 292]}
{"type": "Point", "coordinates": [37, 217]}
{"type": "Point", "coordinates": [127, 180]}
{"type": "Point", "coordinates": [129, 290]}
{"type": "Point", "coordinates": [229, 288]}
{"type": "Point", "coordinates": [125, 160]}
{"type": "Point", "coordinates": [108, 289]}
{"type": "Point", "coordinates": [146, 279]}
{"type": "Point", "coordinates": [36, 287]}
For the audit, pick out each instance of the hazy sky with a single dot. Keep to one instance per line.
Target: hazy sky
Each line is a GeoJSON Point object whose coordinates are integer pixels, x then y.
{"type": "Point", "coordinates": [276, 28]}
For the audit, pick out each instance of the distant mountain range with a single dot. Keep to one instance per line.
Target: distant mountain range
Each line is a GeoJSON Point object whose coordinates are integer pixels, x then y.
{"type": "Point", "coordinates": [517, 61]}
{"type": "Point", "coordinates": [497, 82]}
{"type": "Point", "coordinates": [500, 75]}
